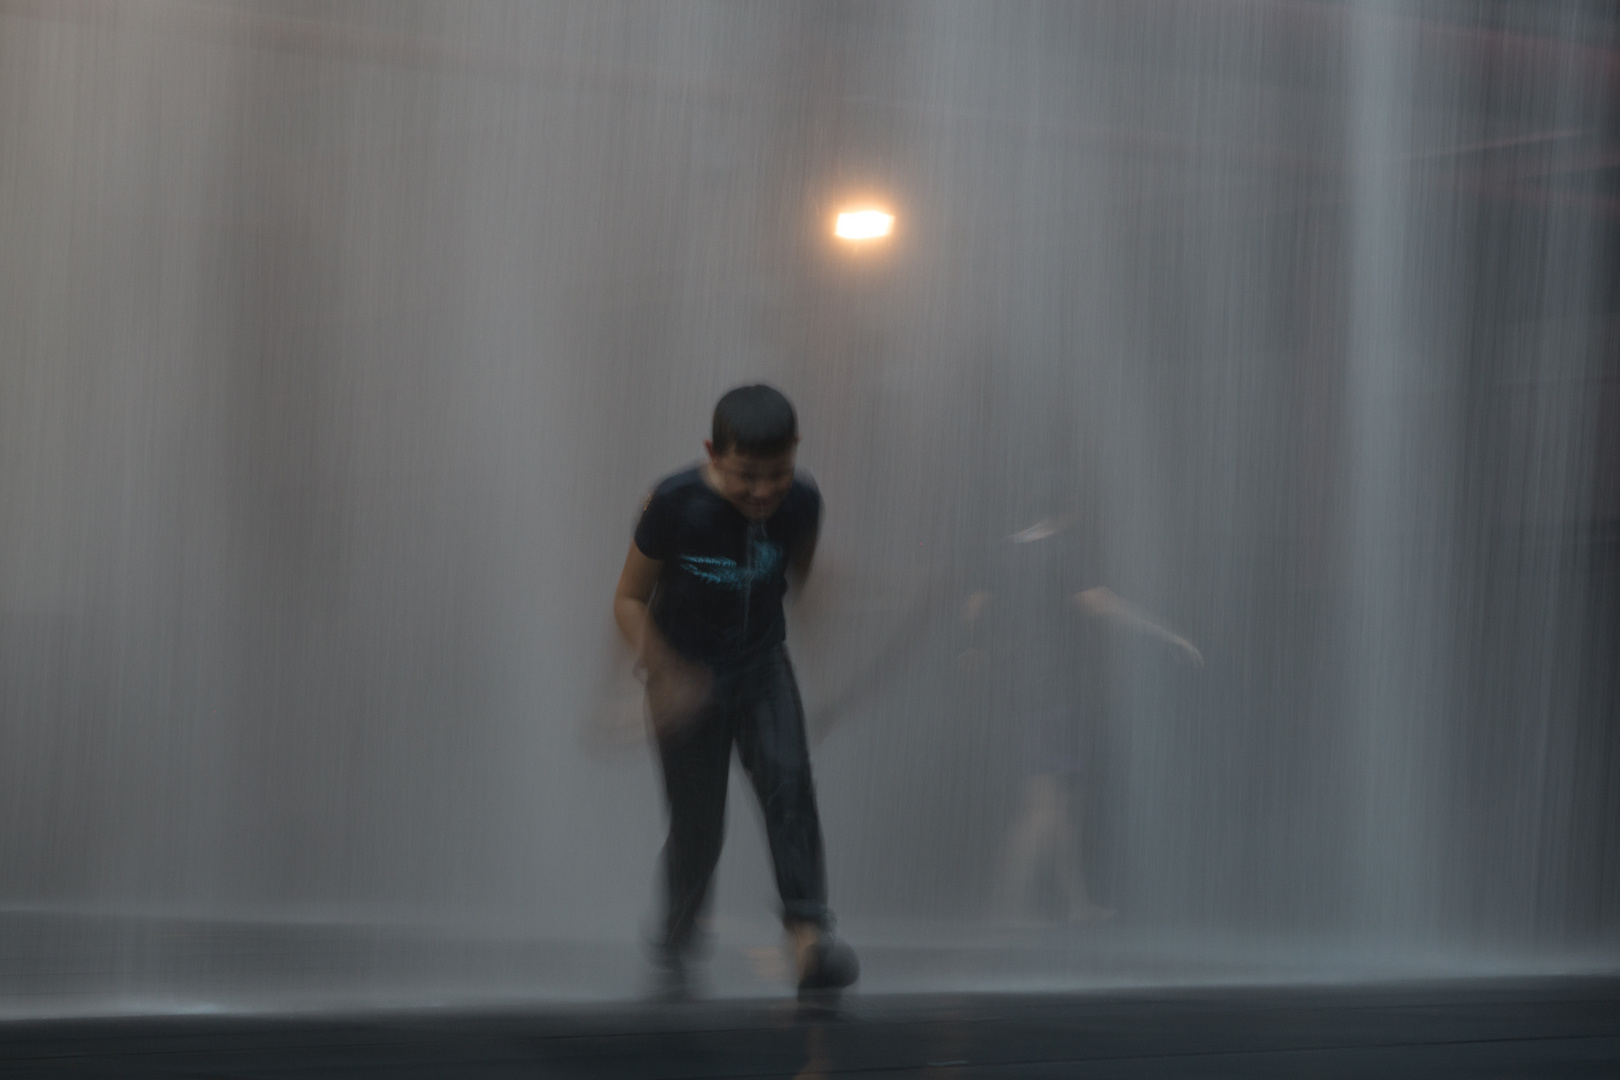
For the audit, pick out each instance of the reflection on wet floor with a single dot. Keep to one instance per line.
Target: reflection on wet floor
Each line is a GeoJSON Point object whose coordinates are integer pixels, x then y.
{"type": "Point", "coordinates": [1501, 1028]}
{"type": "Point", "coordinates": [78, 964]}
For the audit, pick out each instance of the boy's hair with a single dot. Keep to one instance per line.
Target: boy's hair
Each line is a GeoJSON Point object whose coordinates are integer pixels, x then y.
{"type": "Point", "coordinates": [754, 420]}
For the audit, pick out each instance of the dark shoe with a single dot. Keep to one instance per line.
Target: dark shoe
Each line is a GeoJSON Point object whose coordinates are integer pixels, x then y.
{"type": "Point", "coordinates": [828, 964]}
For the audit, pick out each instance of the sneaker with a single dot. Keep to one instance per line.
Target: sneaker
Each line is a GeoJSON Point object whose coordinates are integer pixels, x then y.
{"type": "Point", "coordinates": [827, 964]}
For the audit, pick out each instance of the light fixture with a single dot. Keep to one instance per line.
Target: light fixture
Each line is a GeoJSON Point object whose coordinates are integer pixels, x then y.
{"type": "Point", "coordinates": [863, 225]}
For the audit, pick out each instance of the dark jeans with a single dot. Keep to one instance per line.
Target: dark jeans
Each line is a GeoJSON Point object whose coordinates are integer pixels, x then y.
{"type": "Point", "coordinates": [758, 709]}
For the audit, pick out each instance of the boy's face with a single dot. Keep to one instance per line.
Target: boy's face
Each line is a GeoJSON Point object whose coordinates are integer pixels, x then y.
{"type": "Point", "coordinates": [756, 486]}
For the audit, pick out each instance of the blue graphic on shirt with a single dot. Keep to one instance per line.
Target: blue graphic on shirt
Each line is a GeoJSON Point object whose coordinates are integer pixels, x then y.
{"type": "Point", "coordinates": [765, 559]}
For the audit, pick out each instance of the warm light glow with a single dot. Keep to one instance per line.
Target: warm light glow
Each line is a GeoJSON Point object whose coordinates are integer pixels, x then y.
{"type": "Point", "coordinates": [863, 224]}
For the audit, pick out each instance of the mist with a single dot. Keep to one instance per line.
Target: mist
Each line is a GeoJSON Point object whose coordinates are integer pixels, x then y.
{"type": "Point", "coordinates": [342, 342]}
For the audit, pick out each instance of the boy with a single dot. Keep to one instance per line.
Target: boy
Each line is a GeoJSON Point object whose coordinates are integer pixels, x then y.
{"type": "Point", "coordinates": [700, 600]}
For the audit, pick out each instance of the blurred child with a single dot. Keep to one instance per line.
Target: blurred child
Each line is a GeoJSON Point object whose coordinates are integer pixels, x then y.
{"type": "Point", "coordinates": [700, 600]}
{"type": "Point", "coordinates": [1037, 624]}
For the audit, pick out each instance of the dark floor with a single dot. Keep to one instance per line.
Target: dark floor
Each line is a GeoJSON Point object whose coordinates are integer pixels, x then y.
{"type": "Point", "coordinates": [1553, 1028]}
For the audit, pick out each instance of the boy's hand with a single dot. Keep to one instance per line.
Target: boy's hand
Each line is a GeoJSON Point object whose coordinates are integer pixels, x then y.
{"type": "Point", "coordinates": [677, 689]}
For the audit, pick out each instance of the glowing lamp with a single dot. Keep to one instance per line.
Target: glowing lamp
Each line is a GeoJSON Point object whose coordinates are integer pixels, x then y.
{"type": "Point", "coordinates": [863, 225]}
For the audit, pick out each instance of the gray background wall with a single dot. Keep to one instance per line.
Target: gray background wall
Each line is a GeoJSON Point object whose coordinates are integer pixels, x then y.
{"type": "Point", "coordinates": [341, 341]}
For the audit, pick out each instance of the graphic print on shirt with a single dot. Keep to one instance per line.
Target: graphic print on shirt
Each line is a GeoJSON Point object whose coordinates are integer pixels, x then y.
{"type": "Point", "coordinates": [765, 558]}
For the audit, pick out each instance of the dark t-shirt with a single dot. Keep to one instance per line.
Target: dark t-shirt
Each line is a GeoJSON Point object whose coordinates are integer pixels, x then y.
{"type": "Point", "coordinates": [719, 597]}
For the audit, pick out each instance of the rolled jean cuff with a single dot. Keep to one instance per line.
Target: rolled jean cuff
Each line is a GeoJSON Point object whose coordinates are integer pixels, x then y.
{"type": "Point", "coordinates": [806, 911]}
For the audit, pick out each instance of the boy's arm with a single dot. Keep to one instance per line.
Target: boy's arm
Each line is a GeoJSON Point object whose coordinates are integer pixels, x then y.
{"type": "Point", "coordinates": [804, 551]}
{"type": "Point", "coordinates": [799, 562]}
{"type": "Point", "coordinates": [1102, 602]}
{"type": "Point", "coordinates": [676, 688]}
{"type": "Point", "coordinates": [636, 583]}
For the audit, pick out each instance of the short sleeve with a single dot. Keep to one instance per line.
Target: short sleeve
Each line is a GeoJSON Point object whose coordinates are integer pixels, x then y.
{"type": "Point", "coordinates": [807, 527]}
{"type": "Point", "coordinates": [655, 532]}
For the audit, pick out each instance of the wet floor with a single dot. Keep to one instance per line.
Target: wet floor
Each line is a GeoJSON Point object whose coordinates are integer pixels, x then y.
{"type": "Point", "coordinates": [1532, 1028]}
{"type": "Point", "coordinates": [89, 994]}
{"type": "Point", "coordinates": [57, 964]}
